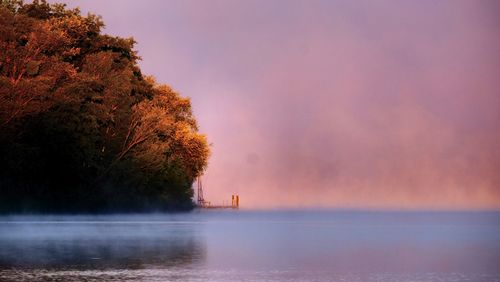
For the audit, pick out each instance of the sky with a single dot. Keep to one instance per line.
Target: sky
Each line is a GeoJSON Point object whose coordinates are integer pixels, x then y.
{"type": "Point", "coordinates": [332, 104]}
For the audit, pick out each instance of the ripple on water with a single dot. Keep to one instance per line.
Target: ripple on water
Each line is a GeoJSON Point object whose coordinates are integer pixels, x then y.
{"type": "Point", "coordinates": [179, 274]}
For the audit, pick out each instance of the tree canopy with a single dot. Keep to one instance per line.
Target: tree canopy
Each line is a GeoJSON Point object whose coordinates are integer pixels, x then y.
{"type": "Point", "coordinates": [81, 128]}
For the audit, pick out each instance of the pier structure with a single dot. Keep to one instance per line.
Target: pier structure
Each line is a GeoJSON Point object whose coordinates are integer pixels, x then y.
{"type": "Point", "coordinates": [204, 204]}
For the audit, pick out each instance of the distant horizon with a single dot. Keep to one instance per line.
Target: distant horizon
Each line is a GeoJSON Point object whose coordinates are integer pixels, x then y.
{"type": "Point", "coordinates": [254, 209]}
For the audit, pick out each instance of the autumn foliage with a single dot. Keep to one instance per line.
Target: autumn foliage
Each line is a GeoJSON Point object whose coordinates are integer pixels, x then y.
{"type": "Point", "coordinates": [81, 128]}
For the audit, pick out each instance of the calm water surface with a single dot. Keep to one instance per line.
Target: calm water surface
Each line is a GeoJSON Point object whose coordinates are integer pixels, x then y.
{"type": "Point", "coordinates": [252, 246]}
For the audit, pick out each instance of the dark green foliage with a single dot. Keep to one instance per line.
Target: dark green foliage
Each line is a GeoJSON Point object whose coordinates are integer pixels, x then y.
{"type": "Point", "coordinates": [81, 129]}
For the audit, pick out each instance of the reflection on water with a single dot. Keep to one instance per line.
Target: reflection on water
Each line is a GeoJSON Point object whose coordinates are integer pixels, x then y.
{"type": "Point", "coordinates": [252, 246]}
{"type": "Point", "coordinates": [99, 242]}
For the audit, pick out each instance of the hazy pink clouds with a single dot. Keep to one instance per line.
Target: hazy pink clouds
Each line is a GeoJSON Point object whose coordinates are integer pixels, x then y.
{"type": "Point", "coordinates": [364, 104]}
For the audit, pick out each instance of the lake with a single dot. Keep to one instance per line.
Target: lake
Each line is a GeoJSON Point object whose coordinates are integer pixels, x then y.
{"type": "Point", "coordinates": [253, 246]}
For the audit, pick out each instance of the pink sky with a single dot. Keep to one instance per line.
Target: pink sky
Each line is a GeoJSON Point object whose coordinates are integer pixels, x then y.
{"type": "Point", "coordinates": [343, 104]}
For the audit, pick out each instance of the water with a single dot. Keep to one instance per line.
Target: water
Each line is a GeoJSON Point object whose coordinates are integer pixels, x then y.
{"type": "Point", "coordinates": [252, 246]}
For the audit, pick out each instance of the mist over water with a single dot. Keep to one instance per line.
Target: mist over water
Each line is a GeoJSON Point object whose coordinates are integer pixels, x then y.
{"type": "Point", "coordinates": [253, 246]}
{"type": "Point", "coordinates": [97, 242]}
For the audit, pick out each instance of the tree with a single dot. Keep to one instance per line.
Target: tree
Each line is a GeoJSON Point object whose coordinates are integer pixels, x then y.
{"type": "Point", "coordinates": [81, 129]}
